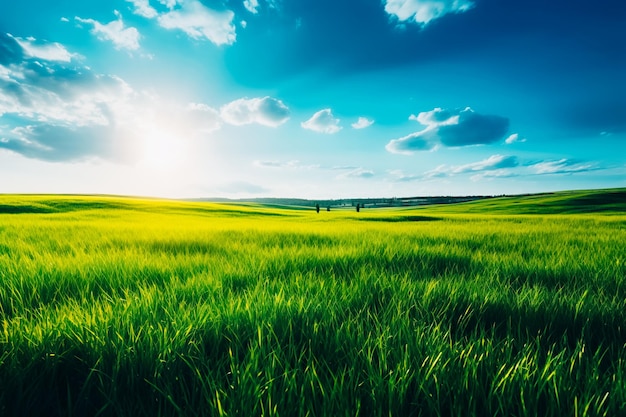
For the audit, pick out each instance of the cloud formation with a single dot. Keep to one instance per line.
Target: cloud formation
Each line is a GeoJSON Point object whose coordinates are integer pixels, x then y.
{"type": "Point", "coordinates": [143, 8]}
{"type": "Point", "coordinates": [293, 164]}
{"type": "Point", "coordinates": [200, 22]}
{"type": "Point", "coordinates": [424, 11]}
{"type": "Point", "coordinates": [251, 5]}
{"type": "Point", "coordinates": [451, 128]}
{"type": "Point", "coordinates": [47, 51]}
{"type": "Point", "coordinates": [322, 122]}
{"type": "Point", "coordinates": [491, 163]}
{"type": "Point", "coordinates": [359, 173]}
{"type": "Point", "coordinates": [362, 123]}
{"type": "Point", "coordinates": [266, 111]}
{"type": "Point", "coordinates": [58, 111]}
{"type": "Point", "coordinates": [562, 166]}
{"type": "Point", "coordinates": [514, 138]}
{"type": "Point", "coordinates": [115, 31]}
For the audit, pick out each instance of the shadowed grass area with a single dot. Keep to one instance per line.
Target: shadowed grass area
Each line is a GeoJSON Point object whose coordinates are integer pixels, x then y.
{"type": "Point", "coordinates": [120, 307]}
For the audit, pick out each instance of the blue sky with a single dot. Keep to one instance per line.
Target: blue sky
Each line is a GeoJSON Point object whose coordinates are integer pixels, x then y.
{"type": "Point", "coordinates": [312, 99]}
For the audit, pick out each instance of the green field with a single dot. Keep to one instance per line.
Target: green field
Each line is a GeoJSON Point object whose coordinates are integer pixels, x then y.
{"type": "Point", "coordinates": [136, 307]}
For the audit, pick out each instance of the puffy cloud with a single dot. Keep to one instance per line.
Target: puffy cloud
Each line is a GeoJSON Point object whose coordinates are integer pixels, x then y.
{"type": "Point", "coordinates": [143, 8]}
{"type": "Point", "coordinates": [514, 138]}
{"type": "Point", "coordinates": [48, 91]}
{"type": "Point", "coordinates": [57, 112]}
{"type": "Point", "coordinates": [562, 166]}
{"type": "Point", "coordinates": [266, 111]}
{"type": "Point", "coordinates": [62, 143]}
{"type": "Point", "coordinates": [46, 51]}
{"type": "Point", "coordinates": [170, 4]}
{"type": "Point", "coordinates": [322, 122]}
{"type": "Point", "coordinates": [418, 141]}
{"type": "Point", "coordinates": [201, 118]}
{"type": "Point", "coordinates": [452, 128]}
{"type": "Point", "coordinates": [251, 5]}
{"type": "Point", "coordinates": [362, 123]}
{"type": "Point", "coordinates": [424, 11]}
{"type": "Point", "coordinates": [200, 22]}
{"type": "Point", "coordinates": [115, 31]}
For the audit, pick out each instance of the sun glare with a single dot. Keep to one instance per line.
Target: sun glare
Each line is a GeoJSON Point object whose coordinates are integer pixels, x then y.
{"type": "Point", "coordinates": [164, 150]}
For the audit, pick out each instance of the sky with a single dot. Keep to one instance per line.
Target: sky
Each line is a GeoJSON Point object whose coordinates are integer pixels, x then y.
{"type": "Point", "coordinates": [311, 99]}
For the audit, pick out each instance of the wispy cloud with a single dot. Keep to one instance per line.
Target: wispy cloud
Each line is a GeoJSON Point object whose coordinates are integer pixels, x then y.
{"type": "Point", "coordinates": [400, 176]}
{"type": "Point", "coordinates": [293, 164]}
{"type": "Point", "coordinates": [362, 123]}
{"type": "Point", "coordinates": [359, 173]}
{"type": "Point", "coordinates": [451, 128]}
{"type": "Point", "coordinates": [425, 11]}
{"type": "Point", "coordinates": [323, 122]}
{"type": "Point", "coordinates": [115, 31]}
{"type": "Point", "coordinates": [491, 163]}
{"type": "Point", "coordinates": [266, 111]}
{"type": "Point", "coordinates": [562, 166]}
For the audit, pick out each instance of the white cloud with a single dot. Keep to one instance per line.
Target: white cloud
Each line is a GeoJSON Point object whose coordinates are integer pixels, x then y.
{"type": "Point", "coordinates": [418, 141]}
{"type": "Point", "coordinates": [562, 166]}
{"type": "Point", "coordinates": [61, 112]}
{"type": "Point", "coordinates": [362, 123]}
{"type": "Point", "coordinates": [143, 8]}
{"type": "Point", "coordinates": [424, 11]}
{"type": "Point", "coordinates": [293, 164]}
{"type": "Point", "coordinates": [399, 176]}
{"type": "Point", "coordinates": [514, 138]}
{"type": "Point", "coordinates": [266, 111]}
{"type": "Point", "coordinates": [251, 5]}
{"type": "Point", "coordinates": [498, 173]}
{"type": "Point", "coordinates": [451, 128]}
{"type": "Point", "coordinates": [201, 118]}
{"type": "Point", "coordinates": [200, 22]}
{"type": "Point", "coordinates": [170, 4]}
{"type": "Point", "coordinates": [47, 51]}
{"type": "Point", "coordinates": [115, 31]}
{"type": "Point", "coordinates": [491, 163]}
{"type": "Point", "coordinates": [360, 173]}
{"type": "Point", "coordinates": [500, 163]}
{"type": "Point", "coordinates": [322, 122]}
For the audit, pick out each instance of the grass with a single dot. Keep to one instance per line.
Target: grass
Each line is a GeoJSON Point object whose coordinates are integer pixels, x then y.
{"type": "Point", "coordinates": [112, 306]}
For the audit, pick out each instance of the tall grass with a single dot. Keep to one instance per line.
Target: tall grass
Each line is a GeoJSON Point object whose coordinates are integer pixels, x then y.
{"type": "Point", "coordinates": [144, 308]}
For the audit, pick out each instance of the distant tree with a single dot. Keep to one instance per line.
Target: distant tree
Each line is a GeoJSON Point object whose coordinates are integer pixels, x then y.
{"type": "Point", "coordinates": [358, 207]}
{"type": "Point", "coordinates": [328, 208]}
{"type": "Point", "coordinates": [317, 208]}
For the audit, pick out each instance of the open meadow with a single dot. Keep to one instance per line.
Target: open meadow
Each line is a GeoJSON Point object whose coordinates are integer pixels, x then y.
{"type": "Point", "coordinates": [136, 307]}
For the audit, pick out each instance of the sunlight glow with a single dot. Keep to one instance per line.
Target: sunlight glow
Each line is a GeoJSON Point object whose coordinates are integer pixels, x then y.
{"type": "Point", "coordinates": [164, 150]}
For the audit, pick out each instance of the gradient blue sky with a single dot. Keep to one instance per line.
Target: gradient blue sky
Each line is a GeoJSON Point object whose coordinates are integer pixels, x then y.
{"type": "Point", "coordinates": [313, 99]}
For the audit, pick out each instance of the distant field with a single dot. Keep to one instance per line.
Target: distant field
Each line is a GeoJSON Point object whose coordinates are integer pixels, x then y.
{"type": "Point", "coordinates": [137, 307]}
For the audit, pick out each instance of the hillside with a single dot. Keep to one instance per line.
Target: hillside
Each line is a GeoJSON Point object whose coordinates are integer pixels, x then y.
{"type": "Point", "coordinates": [608, 201]}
